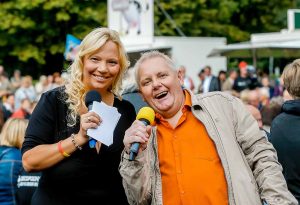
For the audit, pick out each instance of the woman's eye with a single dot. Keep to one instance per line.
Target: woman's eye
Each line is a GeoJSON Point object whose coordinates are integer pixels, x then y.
{"type": "Point", "coordinates": [94, 59]}
{"type": "Point", "coordinates": [113, 62]}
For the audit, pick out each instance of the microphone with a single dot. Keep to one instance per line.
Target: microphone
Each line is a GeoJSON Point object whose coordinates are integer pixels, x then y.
{"type": "Point", "coordinates": [90, 97]}
{"type": "Point", "coordinates": [145, 115]}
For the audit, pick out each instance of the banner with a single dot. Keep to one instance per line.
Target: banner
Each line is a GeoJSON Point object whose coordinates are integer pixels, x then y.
{"type": "Point", "coordinates": [71, 49]}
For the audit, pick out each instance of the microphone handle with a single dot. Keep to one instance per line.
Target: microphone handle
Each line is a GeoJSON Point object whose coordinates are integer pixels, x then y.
{"type": "Point", "coordinates": [134, 149]}
{"type": "Point", "coordinates": [92, 142]}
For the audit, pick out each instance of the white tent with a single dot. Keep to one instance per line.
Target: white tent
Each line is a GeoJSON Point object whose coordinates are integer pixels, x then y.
{"type": "Point", "coordinates": [271, 45]}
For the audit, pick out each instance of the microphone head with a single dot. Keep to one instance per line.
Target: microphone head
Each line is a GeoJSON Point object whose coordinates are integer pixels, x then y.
{"type": "Point", "coordinates": [146, 113]}
{"type": "Point", "coordinates": [92, 96]}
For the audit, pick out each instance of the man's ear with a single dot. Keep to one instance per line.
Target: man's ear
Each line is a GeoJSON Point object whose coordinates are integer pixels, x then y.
{"type": "Point", "coordinates": [180, 76]}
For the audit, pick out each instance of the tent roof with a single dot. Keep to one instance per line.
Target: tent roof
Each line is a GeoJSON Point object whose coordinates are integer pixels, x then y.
{"type": "Point", "coordinates": [285, 49]}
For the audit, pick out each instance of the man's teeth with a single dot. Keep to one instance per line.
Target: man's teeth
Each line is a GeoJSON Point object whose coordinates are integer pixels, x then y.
{"type": "Point", "coordinates": [161, 94]}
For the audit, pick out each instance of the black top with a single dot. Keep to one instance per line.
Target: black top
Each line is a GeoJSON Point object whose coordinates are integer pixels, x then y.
{"type": "Point", "coordinates": [85, 177]}
{"type": "Point", "coordinates": [285, 136]}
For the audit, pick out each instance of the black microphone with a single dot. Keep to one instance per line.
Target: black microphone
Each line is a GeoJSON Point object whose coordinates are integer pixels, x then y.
{"type": "Point", "coordinates": [145, 115]}
{"type": "Point", "coordinates": [90, 97]}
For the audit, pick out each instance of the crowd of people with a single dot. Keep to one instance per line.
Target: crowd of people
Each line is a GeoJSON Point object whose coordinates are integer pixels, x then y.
{"type": "Point", "coordinates": [232, 140]}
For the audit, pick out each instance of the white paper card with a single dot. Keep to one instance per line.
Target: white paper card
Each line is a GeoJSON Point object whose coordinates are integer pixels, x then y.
{"type": "Point", "coordinates": [110, 117]}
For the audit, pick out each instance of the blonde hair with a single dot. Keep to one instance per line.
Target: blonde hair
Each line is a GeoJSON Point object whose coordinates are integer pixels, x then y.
{"type": "Point", "coordinates": [75, 89]}
{"type": "Point", "coordinates": [13, 132]}
{"type": "Point", "coordinates": [149, 55]}
{"type": "Point", "coordinates": [291, 78]}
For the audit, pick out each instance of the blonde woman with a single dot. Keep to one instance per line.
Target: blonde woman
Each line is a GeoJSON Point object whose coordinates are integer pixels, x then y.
{"type": "Point", "coordinates": [11, 139]}
{"type": "Point", "coordinates": [56, 138]}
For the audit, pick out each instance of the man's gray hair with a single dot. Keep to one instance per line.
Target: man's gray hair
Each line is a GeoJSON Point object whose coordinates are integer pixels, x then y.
{"type": "Point", "coordinates": [149, 55]}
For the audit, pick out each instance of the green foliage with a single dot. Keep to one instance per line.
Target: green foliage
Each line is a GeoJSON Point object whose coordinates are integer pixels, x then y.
{"type": "Point", "coordinates": [33, 33]}
{"type": "Point", "coordinates": [234, 19]}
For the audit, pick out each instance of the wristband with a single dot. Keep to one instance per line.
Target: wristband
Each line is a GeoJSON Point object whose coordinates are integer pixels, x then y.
{"type": "Point", "coordinates": [60, 149]}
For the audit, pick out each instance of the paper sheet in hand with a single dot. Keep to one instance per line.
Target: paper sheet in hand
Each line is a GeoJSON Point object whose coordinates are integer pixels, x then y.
{"type": "Point", "coordinates": [110, 117]}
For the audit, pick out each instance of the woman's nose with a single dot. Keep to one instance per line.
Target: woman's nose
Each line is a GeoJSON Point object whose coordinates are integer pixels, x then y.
{"type": "Point", "coordinates": [102, 67]}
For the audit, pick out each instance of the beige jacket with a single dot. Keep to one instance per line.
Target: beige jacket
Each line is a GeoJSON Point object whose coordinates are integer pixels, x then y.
{"type": "Point", "coordinates": [250, 163]}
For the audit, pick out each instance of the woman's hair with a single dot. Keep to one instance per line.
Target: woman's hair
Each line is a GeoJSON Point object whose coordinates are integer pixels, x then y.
{"type": "Point", "coordinates": [13, 132]}
{"type": "Point", "coordinates": [75, 89]}
{"type": "Point", "coordinates": [291, 78]}
{"type": "Point", "coordinates": [149, 55]}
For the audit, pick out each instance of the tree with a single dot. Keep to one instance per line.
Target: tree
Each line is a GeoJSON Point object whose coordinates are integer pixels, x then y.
{"type": "Point", "coordinates": [234, 19]}
{"type": "Point", "coordinates": [33, 33]}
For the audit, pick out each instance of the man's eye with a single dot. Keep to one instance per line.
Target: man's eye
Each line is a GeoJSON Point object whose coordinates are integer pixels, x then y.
{"type": "Point", "coordinates": [146, 83]}
{"type": "Point", "coordinates": [163, 75]}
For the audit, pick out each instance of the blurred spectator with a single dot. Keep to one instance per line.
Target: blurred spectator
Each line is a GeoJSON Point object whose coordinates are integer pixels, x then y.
{"type": "Point", "coordinates": [201, 76]}
{"type": "Point", "coordinates": [54, 81]}
{"type": "Point", "coordinates": [254, 98]}
{"type": "Point", "coordinates": [41, 86]}
{"type": "Point", "coordinates": [264, 96]}
{"type": "Point", "coordinates": [8, 105]}
{"type": "Point", "coordinates": [266, 85]}
{"type": "Point", "coordinates": [271, 111]}
{"type": "Point", "coordinates": [187, 80]}
{"type": "Point", "coordinates": [25, 91]}
{"type": "Point", "coordinates": [12, 137]}
{"type": "Point", "coordinates": [24, 111]}
{"type": "Point", "coordinates": [16, 80]}
{"type": "Point", "coordinates": [130, 90]}
{"type": "Point", "coordinates": [243, 81]}
{"type": "Point", "coordinates": [211, 82]}
{"type": "Point", "coordinates": [5, 86]}
{"type": "Point", "coordinates": [285, 129]}
{"type": "Point", "coordinates": [257, 116]}
{"type": "Point", "coordinates": [278, 88]}
{"type": "Point", "coordinates": [222, 78]}
{"type": "Point", "coordinates": [228, 84]}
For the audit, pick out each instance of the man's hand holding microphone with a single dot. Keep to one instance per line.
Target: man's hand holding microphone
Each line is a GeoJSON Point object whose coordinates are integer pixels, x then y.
{"type": "Point", "coordinates": [137, 136]}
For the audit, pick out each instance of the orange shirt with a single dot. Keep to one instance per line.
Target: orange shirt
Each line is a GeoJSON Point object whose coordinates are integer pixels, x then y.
{"type": "Point", "coordinates": [191, 171]}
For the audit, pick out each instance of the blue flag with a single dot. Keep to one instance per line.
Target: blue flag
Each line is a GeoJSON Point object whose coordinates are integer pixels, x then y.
{"type": "Point", "coordinates": [71, 49]}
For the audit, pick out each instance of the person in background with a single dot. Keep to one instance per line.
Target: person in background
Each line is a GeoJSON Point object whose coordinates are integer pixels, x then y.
{"type": "Point", "coordinates": [130, 91]}
{"type": "Point", "coordinates": [265, 81]}
{"type": "Point", "coordinates": [211, 82]}
{"type": "Point", "coordinates": [187, 80]}
{"type": "Point", "coordinates": [16, 80]}
{"type": "Point", "coordinates": [243, 81]}
{"type": "Point", "coordinates": [11, 140]}
{"type": "Point", "coordinates": [203, 149]}
{"type": "Point", "coordinates": [5, 86]}
{"type": "Point", "coordinates": [25, 91]}
{"type": "Point", "coordinates": [8, 105]}
{"type": "Point", "coordinates": [56, 141]}
{"type": "Point", "coordinates": [41, 86]}
{"type": "Point", "coordinates": [201, 76]}
{"type": "Point", "coordinates": [228, 84]}
{"type": "Point", "coordinates": [257, 116]}
{"type": "Point", "coordinates": [24, 112]}
{"type": "Point", "coordinates": [285, 129]}
{"type": "Point", "coordinates": [222, 78]}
